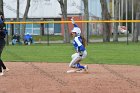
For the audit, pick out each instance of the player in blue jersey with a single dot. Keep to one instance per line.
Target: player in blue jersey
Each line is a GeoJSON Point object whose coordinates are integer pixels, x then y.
{"type": "Point", "coordinates": [3, 33]}
{"type": "Point", "coordinates": [80, 51]}
{"type": "Point", "coordinates": [28, 39]}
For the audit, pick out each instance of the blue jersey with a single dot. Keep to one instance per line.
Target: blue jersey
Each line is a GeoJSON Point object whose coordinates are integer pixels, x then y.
{"type": "Point", "coordinates": [27, 37]}
{"type": "Point", "coordinates": [75, 25]}
{"type": "Point", "coordinates": [77, 43]}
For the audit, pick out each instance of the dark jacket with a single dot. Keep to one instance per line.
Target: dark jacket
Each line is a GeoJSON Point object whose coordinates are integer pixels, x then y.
{"type": "Point", "coordinates": [2, 36]}
{"type": "Point", "coordinates": [3, 30]}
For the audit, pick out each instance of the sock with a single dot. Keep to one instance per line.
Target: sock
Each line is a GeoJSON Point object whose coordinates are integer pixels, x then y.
{"type": "Point", "coordinates": [79, 66]}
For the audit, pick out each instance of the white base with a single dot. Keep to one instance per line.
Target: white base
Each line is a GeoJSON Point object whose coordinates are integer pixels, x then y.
{"type": "Point", "coordinates": [75, 71]}
{"type": "Point", "coordinates": [71, 71]}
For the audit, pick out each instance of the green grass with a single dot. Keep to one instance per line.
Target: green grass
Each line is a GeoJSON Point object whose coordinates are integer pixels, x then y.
{"type": "Point", "coordinates": [114, 53]}
{"type": "Point", "coordinates": [46, 37]}
{"type": "Point", "coordinates": [42, 38]}
{"type": "Point", "coordinates": [100, 36]}
{"type": "Point", "coordinates": [98, 53]}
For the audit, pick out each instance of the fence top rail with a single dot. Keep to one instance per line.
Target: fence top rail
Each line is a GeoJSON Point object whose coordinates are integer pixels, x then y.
{"type": "Point", "coordinates": [90, 21]}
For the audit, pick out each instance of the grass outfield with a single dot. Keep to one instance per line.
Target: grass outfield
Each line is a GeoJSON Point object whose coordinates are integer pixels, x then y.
{"type": "Point", "coordinates": [98, 53]}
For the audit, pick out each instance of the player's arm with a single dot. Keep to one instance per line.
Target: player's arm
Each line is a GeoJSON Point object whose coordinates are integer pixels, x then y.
{"type": "Point", "coordinates": [2, 26]}
{"type": "Point", "coordinates": [73, 22]}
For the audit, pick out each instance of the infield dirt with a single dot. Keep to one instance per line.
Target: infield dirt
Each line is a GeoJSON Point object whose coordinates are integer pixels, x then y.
{"type": "Point", "coordinates": [52, 78]}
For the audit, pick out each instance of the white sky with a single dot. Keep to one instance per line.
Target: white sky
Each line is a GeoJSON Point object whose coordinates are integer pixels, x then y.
{"type": "Point", "coordinates": [48, 8]}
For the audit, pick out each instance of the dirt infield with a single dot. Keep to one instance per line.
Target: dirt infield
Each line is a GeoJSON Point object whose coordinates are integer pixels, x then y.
{"type": "Point", "coordinates": [52, 78]}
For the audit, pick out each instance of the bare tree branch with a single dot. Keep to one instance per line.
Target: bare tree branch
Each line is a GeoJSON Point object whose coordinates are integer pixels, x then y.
{"type": "Point", "coordinates": [25, 16]}
{"type": "Point", "coordinates": [63, 5]}
{"type": "Point", "coordinates": [105, 16]}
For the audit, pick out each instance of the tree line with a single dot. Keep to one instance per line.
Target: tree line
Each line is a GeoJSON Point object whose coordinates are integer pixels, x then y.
{"type": "Point", "coordinates": [106, 15]}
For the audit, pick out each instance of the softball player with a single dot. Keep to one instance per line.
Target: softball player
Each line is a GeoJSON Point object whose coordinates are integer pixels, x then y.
{"type": "Point", "coordinates": [79, 45]}
{"type": "Point", "coordinates": [3, 32]}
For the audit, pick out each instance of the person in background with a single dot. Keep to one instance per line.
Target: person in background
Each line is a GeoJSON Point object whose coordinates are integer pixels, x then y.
{"type": "Point", "coordinates": [3, 33]}
{"type": "Point", "coordinates": [16, 39]}
{"type": "Point", "coordinates": [28, 39]}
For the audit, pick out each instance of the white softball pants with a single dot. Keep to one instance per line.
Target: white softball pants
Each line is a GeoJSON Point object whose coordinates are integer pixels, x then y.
{"type": "Point", "coordinates": [76, 57]}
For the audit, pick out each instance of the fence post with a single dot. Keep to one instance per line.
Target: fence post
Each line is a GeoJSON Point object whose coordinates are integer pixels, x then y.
{"type": "Point", "coordinates": [7, 40]}
{"type": "Point", "coordinates": [48, 34]}
{"type": "Point", "coordinates": [87, 33]}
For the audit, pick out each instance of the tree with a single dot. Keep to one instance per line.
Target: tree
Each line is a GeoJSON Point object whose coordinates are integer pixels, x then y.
{"type": "Point", "coordinates": [25, 16]}
{"type": "Point", "coordinates": [116, 17]}
{"type": "Point", "coordinates": [63, 5]}
{"type": "Point", "coordinates": [1, 5]}
{"type": "Point", "coordinates": [105, 16]}
{"type": "Point", "coordinates": [86, 17]}
{"type": "Point", "coordinates": [137, 25]}
{"type": "Point", "coordinates": [18, 25]}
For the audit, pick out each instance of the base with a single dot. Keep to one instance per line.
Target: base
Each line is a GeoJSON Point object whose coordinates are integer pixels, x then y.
{"type": "Point", "coordinates": [76, 71]}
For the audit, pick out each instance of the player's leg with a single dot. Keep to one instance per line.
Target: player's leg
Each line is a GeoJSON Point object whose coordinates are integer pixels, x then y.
{"type": "Point", "coordinates": [84, 54]}
{"type": "Point", "coordinates": [1, 63]}
{"type": "Point", "coordinates": [78, 65]}
{"type": "Point", "coordinates": [1, 73]}
{"type": "Point", "coordinates": [13, 41]}
{"type": "Point", "coordinates": [75, 58]}
{"type": "Point", "coordinates": [74, 55]}
{"type": "Point", "coordinates": [75, 63]}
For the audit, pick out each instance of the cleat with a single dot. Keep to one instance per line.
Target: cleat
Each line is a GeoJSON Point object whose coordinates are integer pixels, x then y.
{"type": "Point", "coordinates": [6, 70]}
{"type": "Point", "coordinates": [86, 68]}
{"type": "Point", "coordinates": [1, 73]}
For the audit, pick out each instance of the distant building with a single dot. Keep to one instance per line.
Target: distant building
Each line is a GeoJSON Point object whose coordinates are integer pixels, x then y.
{"type": "Point", "coordinates": [49, 10]}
